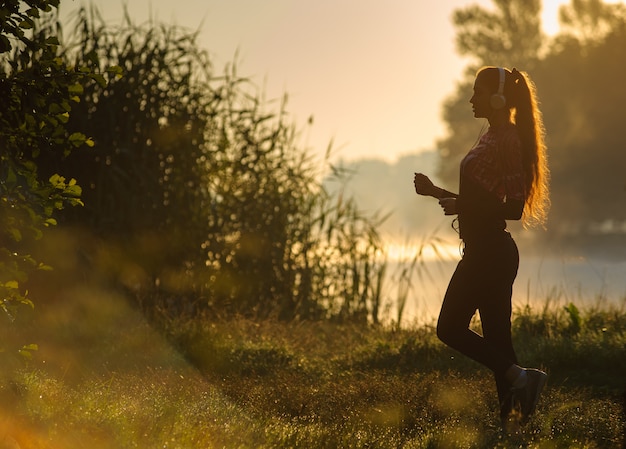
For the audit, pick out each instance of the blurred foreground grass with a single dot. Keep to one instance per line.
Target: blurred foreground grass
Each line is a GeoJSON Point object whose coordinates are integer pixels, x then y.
{"type": "Point", "coordinates": [103, 377]}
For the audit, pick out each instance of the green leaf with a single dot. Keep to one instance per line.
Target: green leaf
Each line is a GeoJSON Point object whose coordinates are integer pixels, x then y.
{"type": "Point", "coordinates": [64, 118]}
{"type": "Point", "coordinates": [77, 139]}
{"type": "Point", "coordinates": [33, 12]}
{"type": "Point", "coordinates": [13, 285]}
{"type": "Point", "coordinates": [26, 24]}
{"type": "Point", "coordinates": [74, 190]}
{"type": "Point", "coordinates": [116, 70]}
{"type": "Point", "coordinates": [99, 79]}
{"type": "Point", "coordinates": [76, 89]}
{"type": "Point", "coordinates": [56, 108]}
{"type": "Point", "coordinates": [5, 44]}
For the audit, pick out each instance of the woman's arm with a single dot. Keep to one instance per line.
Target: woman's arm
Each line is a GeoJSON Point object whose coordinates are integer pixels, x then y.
{"type": "Point", "coordinates": [480, 202]}
{"type": "Point", "coordinates": [512, 209]}
{"type": "Point", "coordinates": [424, 186]}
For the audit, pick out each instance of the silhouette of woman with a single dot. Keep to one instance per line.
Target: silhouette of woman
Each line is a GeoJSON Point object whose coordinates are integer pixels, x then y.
{"type": "Point", "coordinates": [504, 177]}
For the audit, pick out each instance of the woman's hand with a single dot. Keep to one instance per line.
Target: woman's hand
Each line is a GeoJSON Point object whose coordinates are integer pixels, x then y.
{"type": "Point", "coordinates": [423, 185]}
{"type": "Point", "coordinates": [448, 205]}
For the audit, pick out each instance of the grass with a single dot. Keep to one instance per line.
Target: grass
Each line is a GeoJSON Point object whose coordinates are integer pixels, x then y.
{"type": "Point", "coordinates": [103, 377]}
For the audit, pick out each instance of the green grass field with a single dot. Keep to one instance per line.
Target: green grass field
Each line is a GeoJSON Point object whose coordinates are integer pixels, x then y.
{"type": "Point", "coordinates": [103, 377]}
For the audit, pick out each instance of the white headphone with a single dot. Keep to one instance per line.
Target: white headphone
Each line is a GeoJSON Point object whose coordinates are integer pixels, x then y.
{"type": "Point", "coordinates": [498, 100]}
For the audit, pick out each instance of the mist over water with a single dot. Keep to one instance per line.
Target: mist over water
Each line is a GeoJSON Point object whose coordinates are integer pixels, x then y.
{"type": "Point", "coordinates": [584, 281]}
{"type": "Point", "coordinates": [541, 282]}
{"type": "Point", "coordinates": [550, 275]}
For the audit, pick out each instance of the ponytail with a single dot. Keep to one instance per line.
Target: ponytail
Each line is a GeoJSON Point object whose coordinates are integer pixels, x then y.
{"type": "Point", "coordinates": [529, 122]}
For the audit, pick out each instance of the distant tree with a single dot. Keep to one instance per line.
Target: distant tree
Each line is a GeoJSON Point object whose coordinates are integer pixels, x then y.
{"type": "Point", "coordinates": [589, 20]}
{"type": "Point", "coordinates": [582, 100]}
{"type": "Point", "coordinates": [509, 33]}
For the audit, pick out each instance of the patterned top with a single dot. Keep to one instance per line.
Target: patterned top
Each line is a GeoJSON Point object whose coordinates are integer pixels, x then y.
{"type": "Point", "coordinates": [495, 163]}
{"type": "Point", "coordinates": [492, 186]}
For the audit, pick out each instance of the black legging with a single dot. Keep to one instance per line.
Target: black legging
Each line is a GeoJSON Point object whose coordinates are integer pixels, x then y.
{"type": "Point", "coordinates": [483, 281]}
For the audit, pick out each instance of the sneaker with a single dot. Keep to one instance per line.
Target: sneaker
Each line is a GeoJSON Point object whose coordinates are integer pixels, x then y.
{"type": "Point", "coordinates": [529, 394]}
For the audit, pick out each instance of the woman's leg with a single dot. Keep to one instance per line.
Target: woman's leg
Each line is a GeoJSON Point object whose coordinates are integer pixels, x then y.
{"type": "Point", "coordinates": [496, 325]}
{"type": "Point", "coordinates": [484, 281]}
{"type": "Point", "coordinates": [495, 311]}
{"type": "Point", "coordinates": [467, 286]}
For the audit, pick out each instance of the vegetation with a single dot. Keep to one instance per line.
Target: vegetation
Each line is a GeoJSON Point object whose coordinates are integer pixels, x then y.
{"type": "Point", "coordinates": [38, 90]}
{"type": "Point", "coordinates": [213, 293]}
{"type": "Point", "coordinates": [216, 205]}
{"type": "Point", "coordinates": [104, 378]}
{"type": "Point", "coordinates": [199, 188]}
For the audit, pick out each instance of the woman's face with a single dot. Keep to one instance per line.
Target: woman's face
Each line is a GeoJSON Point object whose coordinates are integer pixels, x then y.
{"type": "Point", "coordinates": [481, 105]}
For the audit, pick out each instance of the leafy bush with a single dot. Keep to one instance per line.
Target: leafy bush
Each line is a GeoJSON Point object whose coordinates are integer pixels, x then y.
{"type": "Point", "coordinates": [39, 90]}
{"type": "Point", "coordinates": [206, 191]}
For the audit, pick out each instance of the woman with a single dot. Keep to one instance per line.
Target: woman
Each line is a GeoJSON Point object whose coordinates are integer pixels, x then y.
{"type": "Point", "coordinates": [504, 177]}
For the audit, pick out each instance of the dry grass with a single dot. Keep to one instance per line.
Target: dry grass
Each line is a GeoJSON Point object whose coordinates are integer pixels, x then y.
{"type": "Point", "coordinates": [105, 378]}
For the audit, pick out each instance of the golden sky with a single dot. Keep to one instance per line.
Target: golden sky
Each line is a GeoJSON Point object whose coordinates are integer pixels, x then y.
{"type": "Point", "coordinates": [372, 73]}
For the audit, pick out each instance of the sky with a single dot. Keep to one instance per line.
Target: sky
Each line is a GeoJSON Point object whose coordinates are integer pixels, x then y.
{"type": "Point", "coordinates": [372, 74]}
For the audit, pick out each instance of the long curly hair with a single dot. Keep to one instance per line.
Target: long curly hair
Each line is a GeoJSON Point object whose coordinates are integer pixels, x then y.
{"type": "Point", "coordinates": [522, 102]}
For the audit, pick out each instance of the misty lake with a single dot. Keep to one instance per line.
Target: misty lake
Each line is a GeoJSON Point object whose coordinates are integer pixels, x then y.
{"type": "Point", "coordinates": [586, 282]}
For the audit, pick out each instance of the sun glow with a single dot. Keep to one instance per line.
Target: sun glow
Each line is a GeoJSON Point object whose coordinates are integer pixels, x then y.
{"type": "Point", "coordinates": [550, 14]}
{"type": "Point", "coordinates": [406, 252]}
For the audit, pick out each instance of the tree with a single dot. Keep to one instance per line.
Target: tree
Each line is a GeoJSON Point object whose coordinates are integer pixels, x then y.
{"type": "Point", "coordinates": [582, 108]}
{"type": "Point", "coordinates": [510, 34]}
{"type": "Point", "coordinates": [38, 89]}
{"type": "Point", "coordinates": [589, 20]}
